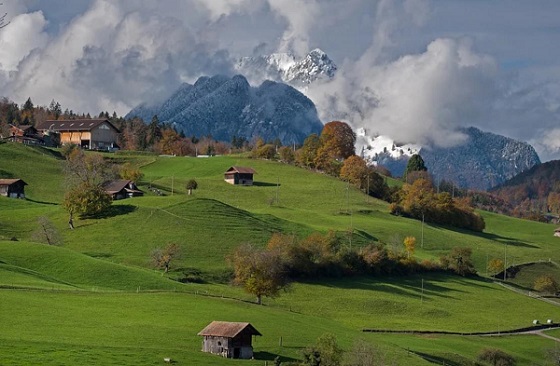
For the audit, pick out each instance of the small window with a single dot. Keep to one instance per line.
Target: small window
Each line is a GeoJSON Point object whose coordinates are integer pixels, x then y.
{"type": "Point", "coordinates": [219, 343]}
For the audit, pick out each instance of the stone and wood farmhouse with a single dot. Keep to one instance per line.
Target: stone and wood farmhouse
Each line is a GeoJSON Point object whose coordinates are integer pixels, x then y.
{"type": "Point", "coordinates": [13, 188]}
{"type": "Point", "coordinates": [229, 339]}
{"type": "Point", "coordinates": [121, 188]}
{"type": "Point", "coordinates": [25, 134]}
{"type": "Point", "coordinates": [239, 175]}
{"type": "Point", "coordinates": [94, 134]}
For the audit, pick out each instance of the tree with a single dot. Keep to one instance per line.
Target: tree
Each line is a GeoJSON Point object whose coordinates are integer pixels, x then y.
{"type": "Point", "coordinates": [308, 152]}
{"type": "Point", "coordinates": [415, 164]}
{"type": "Point", "coordinates": [162, 258]}
{"type": "Point", "coordinates": [191, 184]}
{"type": "Point", "coordinates": [547, 284]}
{"type": "Point", "coordinates": [86, 200]}
{"type": "Point", "coordinates": [287, 154]}
{"type": "Point", "coordinates": [355, 171]}
{"type": "Point", "coordinates": [409, 245]}
{"type": "Point", "coordinates": [325, 352]}
{"type": "Point", "coordinates": [85, 175]}
{"type": "Point", "coordinates": [46, 232]}
{"type": "Point", "coordinates": [259, 271]}
{"type": "Point", "coordinates": [496, 266]}
{"type": "Point", "coordinates": [496, 357]}
{"type": "Point", "coordinates": [267, 151]}
{"type": "Point", "coordinates": [553, 355]}
{"type": "Point", "coordinates": [459, 261]}
{"type": "Point", "coordinates": [363, 353]}
{"type": "Point", "coordinates": [130, 172]}
{"type": "Point", "coordinates": [3, 20]}
{"type": "Point", "coordinates": [338, 140]}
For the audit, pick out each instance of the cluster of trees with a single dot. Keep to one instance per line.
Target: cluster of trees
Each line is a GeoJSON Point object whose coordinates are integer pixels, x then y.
{"type": "Point", "coordinates": [333, 153]}
{"type": "Point", "coordinates": [420, 201]}
{"type": "Point", "coordinates": [267, 271]}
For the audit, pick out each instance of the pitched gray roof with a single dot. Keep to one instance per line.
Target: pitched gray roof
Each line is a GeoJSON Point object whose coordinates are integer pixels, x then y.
{"type": "Point", "coordinates": [227, 329]}
{"type": "Point", "coordinates": [73, 125]}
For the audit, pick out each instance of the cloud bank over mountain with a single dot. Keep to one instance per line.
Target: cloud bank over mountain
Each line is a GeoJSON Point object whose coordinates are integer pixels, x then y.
{"type": "Point", "coordinates": [415, 70]}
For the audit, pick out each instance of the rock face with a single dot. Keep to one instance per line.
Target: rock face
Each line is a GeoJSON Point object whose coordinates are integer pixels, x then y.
{"type": "Point", "coordinates": [316, 65]}
{"type": "Point", "coordinates": [224, 107]}
{"type": "Point", "coordinates": [484, 161]}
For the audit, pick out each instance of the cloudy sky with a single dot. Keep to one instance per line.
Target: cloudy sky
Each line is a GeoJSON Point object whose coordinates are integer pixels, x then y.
{"type": "Point", "coordinates": [411, 69]}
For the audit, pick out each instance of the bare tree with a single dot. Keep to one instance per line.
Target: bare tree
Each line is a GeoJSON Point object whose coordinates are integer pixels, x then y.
{"type": "Point", "coordinates": [162, 258]}
{"type": "Point", "coordinates": [3, 19]}
{"type": "Point", "coordinates": [46, 232]}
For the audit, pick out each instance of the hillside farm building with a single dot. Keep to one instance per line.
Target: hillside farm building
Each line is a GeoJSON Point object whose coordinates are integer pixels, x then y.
{"type": "Point", "coordinates": [239, 175]}
{"type": "Point", "coordinates": [121, 188]}
{"type": "Point", "coordinates": [229, 339]}
{"type": "Point", "coordinates": [13, 188]}
{"type": "Point", "coordinates": [25, 134]}
{"type": "Point", "coordinates": [98, 134]}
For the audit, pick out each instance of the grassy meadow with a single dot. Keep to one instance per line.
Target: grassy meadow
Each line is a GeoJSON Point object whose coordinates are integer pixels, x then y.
{"type": "Point", "coordinates": [96, 299]}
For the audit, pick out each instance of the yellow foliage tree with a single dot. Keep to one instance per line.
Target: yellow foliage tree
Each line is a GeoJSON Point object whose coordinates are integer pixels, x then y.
{"type": "Point", "coordinates": [410, 244]}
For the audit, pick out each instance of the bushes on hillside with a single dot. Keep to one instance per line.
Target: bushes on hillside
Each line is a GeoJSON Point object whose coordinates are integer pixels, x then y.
{"type": "Point", "coordinates": [496, 357]}
{"type": "Point", "coordinates": [325, 255]}
{"type": "Point", "coordinates": [418, 200]}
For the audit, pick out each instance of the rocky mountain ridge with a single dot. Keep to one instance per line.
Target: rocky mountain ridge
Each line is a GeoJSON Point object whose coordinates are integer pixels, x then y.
{"type": "Point", "coordinates": [224, 107]}
{"type": "Point", "coordinates": [285, 67]}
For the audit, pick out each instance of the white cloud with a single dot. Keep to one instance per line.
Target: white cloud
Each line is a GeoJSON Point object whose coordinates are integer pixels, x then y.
{"type": "Point", "coordinates": [427, 66]}
{"type": "Point", "coordinates": [24, 34]}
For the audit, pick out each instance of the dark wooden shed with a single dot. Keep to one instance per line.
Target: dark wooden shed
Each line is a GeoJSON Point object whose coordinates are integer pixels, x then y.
{"type": "Point", "coordinates": [239, 175]}
{"type": "Point", "coordinates": [14, 188]}
{"type": "Point", "coordinates": [229, 339]}
{"type": "Point", "coordinates": [121, 188]}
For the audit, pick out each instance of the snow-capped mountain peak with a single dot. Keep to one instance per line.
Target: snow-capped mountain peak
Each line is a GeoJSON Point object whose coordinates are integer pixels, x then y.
{"type": "Point", "coordinates": [374, 148]}
{"type": "Point", "coordinates": [286, 68]}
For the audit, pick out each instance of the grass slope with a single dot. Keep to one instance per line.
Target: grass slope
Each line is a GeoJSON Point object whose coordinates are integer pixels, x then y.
{"type": "Point", "coordinates": [126, 327]}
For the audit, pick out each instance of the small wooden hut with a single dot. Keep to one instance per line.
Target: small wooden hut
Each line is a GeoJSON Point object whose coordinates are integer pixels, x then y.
{"type": "Point", "coordinates": [239, 175]}
{"type": "Point", "coordinates": [229, 339]}
{"type": "Point", "coordinates": [14, 188]}
{"type": "Point", "coordinates": [122, 188]}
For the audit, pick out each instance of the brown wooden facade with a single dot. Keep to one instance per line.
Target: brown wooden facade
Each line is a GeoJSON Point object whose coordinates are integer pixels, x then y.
{"type": "Point", "coordinates": [229, 339]}
{"type": "Point", "coordinates": [99, 134]}
{"type": "Point", "coordinates": [239, 175]}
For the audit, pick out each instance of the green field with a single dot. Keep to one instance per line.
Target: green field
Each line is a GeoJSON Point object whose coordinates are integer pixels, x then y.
{"type": "Point", "coordinates": [96, 299]}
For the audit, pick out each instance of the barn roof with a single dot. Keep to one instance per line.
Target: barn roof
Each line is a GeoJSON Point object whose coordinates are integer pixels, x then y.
{"type": "Point", "coordinates": [8, 182]}
{"type": "Point", "coordinates": [115, 186]}
{"type": "Point", "coordinates": [227, 329]}
{"type": "Point", "coordinates": [241, 169]}
{"type": "Point", "coordinates": [74, 124]}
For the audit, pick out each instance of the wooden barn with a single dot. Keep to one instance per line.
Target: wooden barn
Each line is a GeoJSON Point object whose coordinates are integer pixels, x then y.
{"type": "Point", "coordinates": [229, 339]}
{"type": "Point", "coordinates": [239, 175]}
{"type": "Point", "coordinates": [97, 134]}
{"type": "Point", "coordinates": [14, 188]}
{"type": "Point", "coordinates": [121, 188]}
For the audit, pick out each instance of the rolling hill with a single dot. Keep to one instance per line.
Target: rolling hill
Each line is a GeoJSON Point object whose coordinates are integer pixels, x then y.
{"type": "Point", "coordinates": [96, 298]}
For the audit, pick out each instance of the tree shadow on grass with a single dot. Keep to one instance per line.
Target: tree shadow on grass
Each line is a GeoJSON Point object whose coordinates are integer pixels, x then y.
{"type": "Point", "coordinates": [267, 356]}
{"type": "Point", "coordinates": [402, 286]}
{"type": "Point", "coordinates": [41, 202]}
{"type": "Point", "coordinates": [439, 360]}
{"type": "Point", "coordinates": [265, 184]}
{"type": "Point", "coordinates": [113, 211]}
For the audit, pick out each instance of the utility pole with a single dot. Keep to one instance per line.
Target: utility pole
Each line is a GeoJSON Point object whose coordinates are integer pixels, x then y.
{"type": "Point", "coordinates": [277, 189]}
{"type": "Point", "coordinates": [422, 240]}
{"type": "Point", "coordinates": [505, 260]}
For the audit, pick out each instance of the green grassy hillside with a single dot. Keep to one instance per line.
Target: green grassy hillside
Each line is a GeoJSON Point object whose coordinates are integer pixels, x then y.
{"type": "Point", "coordinates": [92, 299]}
